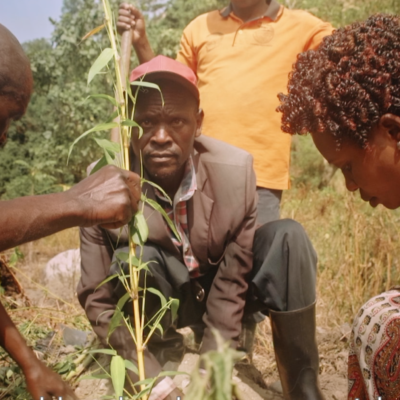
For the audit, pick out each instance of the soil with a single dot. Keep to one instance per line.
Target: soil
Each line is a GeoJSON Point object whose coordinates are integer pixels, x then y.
{"type": "Point", "coordinates": [256, 381]}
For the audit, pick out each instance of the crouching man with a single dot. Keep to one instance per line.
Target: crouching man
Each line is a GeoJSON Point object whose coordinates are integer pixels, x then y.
{"type": "Point", "coordinates": [221, 268]}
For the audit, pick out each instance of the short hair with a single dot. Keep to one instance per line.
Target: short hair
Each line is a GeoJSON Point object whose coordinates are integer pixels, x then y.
{"type": "Point", "coordinates": [348, 83]}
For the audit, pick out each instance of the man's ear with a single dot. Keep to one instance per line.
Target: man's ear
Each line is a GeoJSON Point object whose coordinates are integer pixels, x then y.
{"type": "Point", "coordinates": [199, 122]}
{"type": "Point", "coordinates": [391, 124]}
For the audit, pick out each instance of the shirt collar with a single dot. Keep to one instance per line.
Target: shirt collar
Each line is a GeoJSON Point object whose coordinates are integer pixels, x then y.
{"type": "Point", "coordinates": [187, 187]}
{"type": "Point", "coordinates": [272, 10]}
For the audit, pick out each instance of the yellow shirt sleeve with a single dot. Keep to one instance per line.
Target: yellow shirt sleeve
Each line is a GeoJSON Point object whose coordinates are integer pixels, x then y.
{"type": "Point", "coordinates": [319, 33]}
{"type": "Point", "coordinates": [186, 54]}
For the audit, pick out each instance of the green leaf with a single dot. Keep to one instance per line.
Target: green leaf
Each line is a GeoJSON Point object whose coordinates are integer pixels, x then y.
{"type": "Point", "coordinates": [117, 369]}
{"type": "Point", "coordinates": [143, 197]}
{"type": "Point", "coordinates": [174, 306]}
{"type": "Point", "coordinates": [109, 352]}
{"type": "Point", "coordinates": [118, 314]}
{"type": "Point", "coordinates": [159, 294]}
{"type": "Point", "coordinates": [129, 122]}
{"type": "Point", "coordinates": [100, 164]}
{"type": "Point", "coordinates": [131, 367]}
{"type": "Point", "coordinates": [135, 237]}
{"type": "Point", "coordinates": [109, 158]}
{"type": "Point", "coordinates": [158, 208]}
{"type": "Point", "coordinates": [109, 278]}
{"type": "Point", "coordinates": [103, 96]}
{"type": "Point", "coordinates": [102, 60]}
{"type": "Point", "coordinates": [141, 226]}
{"type": "Point", "coordinates": [97, 128]}
{"type": "Point", "coordinates": [149, 85]}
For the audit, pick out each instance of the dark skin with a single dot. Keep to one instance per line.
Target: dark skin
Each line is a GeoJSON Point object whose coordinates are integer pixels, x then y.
{"type": "Point", "coordinates": [169, 132]}
{"type": "Point", "coordinates": [108, 198]}
{"type": "Point", "coordinates": [129, 17]}
{"type": "Point", "coordinates": [374, 170]}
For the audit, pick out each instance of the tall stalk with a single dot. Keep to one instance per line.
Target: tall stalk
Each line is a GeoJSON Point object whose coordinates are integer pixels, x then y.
{"type": "Point", "coordinates": [121, 98]}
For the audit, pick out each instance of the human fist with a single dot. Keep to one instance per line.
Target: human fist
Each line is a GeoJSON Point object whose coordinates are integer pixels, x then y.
{"type": "Point", "coordinates": [108, 198]}
{"type": "Point", "coordinates": [43, 382]}
{"type": "Point", "coordinates": [130, 17]}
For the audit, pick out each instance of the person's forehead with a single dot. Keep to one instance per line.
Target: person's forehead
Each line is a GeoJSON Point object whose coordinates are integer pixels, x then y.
{"type": "Point", "coordinates": [170, 95]}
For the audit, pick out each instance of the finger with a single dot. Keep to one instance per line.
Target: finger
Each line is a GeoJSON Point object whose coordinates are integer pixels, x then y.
{"type": "Point", "coordinates": [126, 22]}
{"type": "Point", "coordinates": [125, 6]}
{"type": "Point", "coordinates": [124, 14]}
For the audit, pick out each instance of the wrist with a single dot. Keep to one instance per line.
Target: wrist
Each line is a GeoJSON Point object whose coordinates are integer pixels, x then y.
{"type": "Point", "coordinates": [141, 43]}
{"type": "Point", "coordinates": [27, 360]}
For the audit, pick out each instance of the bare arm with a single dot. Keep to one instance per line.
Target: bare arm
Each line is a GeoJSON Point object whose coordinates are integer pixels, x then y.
{"type": "Point", "coordinates": [107, 198]}
{"type": "Point", "coordinates": [130, 17]}
{"type": "Point", "coordinates": [41, 381]}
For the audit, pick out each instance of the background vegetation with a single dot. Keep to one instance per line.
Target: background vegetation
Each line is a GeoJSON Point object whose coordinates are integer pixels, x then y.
{"type": "Point", "coordinates": [358, 246]}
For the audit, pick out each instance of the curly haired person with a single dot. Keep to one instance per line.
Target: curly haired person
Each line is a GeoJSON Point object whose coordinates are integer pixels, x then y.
{"type": "Point", "coordinates": [347, 95]}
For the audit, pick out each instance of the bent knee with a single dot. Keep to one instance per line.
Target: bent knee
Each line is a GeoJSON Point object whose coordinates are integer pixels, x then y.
{"type": "Point", "coordinates": [282, 228]}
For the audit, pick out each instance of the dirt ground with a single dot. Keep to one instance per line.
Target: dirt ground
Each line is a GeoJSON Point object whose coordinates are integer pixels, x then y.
{"type": "Point", "coordinates": [256, 381]}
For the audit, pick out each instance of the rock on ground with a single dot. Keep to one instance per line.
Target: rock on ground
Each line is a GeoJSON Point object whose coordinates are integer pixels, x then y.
{"type": "Point", "coordinates": [62, 274]}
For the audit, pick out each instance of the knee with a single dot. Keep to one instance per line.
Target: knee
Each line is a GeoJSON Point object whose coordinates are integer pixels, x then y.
{"type": "Point", "coordinates": [286, 229]}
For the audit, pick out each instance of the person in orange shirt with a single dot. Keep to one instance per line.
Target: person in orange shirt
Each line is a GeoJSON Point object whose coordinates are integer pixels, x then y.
{"type": "Point", "coordinates": [242, 56]}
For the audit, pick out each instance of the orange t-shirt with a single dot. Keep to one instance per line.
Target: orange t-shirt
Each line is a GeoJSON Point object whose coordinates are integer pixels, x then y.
{"type": "Point", "coordinates": [241, 68]}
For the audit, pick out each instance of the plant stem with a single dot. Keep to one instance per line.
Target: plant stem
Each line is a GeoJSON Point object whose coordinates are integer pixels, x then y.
{"type": "Point", "coordinates": [125, 142]}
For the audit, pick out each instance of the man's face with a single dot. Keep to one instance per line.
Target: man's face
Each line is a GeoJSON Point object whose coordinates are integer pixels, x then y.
{"type": "Point", "coordinates": [11, 108]}
{"type": "Point", "coordinates": [169, 131]}
{"type": "Point", "coordinates": [374, 171]}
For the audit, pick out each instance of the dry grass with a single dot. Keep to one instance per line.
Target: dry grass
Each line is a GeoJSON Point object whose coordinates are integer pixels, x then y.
{"type": "Point", "coordinates": [358, 247]}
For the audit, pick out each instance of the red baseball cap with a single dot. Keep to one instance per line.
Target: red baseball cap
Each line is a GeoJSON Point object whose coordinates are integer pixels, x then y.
{"type": "Point", "coordinates": [165, 67]}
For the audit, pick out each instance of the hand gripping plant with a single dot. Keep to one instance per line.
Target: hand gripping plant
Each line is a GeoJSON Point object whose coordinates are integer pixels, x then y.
{"type": "Point", "coordinates": [117, 152]}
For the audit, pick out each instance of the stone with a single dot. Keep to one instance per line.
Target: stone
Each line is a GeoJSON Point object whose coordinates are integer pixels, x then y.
{"type": "Point", "coordinates": [62, 274]}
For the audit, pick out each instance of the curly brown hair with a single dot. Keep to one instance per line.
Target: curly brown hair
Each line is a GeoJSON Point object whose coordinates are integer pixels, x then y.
{"type": "Point", "coordinates": [348, 83]}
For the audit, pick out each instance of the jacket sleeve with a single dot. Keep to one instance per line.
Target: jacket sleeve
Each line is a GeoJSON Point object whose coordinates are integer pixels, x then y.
{"type": "Point", "coordinates": [99, 304]}
{"type": "Point", "coordinates": [227, 295]}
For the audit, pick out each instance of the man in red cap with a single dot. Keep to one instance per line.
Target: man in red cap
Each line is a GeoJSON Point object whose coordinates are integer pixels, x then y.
{"type": "Point", "coordinates": [217, 255]}
{"type": "Point", "coordinates": [108, 198]}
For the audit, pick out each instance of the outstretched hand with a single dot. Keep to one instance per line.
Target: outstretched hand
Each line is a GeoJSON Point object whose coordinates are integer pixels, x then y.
{"type": "Point", "coordinates": [43, 382]}
{"type": "Point", "coordinates": [108, 198]}
{"type": "Point", "coordinates": [129, 17]}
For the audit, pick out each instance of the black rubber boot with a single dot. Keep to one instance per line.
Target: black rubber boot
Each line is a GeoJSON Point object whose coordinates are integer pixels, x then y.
{"type": "Point", "coordinates": [296, 353]}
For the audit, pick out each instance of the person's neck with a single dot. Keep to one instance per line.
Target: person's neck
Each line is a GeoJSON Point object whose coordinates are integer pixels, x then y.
{"type": "Point", "coordinates": [170, 184]}
{"type": "Point", "coordinates": [249, 13]}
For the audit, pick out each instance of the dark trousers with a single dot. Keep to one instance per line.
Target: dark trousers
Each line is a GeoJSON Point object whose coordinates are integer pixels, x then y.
{"type": "Point", "coordinates": [283, 276]}
{"type": "Point", "coordinates": [268, 206]}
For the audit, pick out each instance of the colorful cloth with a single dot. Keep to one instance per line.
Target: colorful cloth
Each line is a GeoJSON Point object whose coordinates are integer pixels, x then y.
{"type": "Point", "coordinates": [177, 212]}
{"type": "Point", "coordinates": [374, 355]}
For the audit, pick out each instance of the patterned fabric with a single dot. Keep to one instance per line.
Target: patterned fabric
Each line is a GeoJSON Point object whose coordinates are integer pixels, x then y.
{"type": "Point", "coordinates": [178, 214]}
{"type": "Point", "coordinates": [374, 354]}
